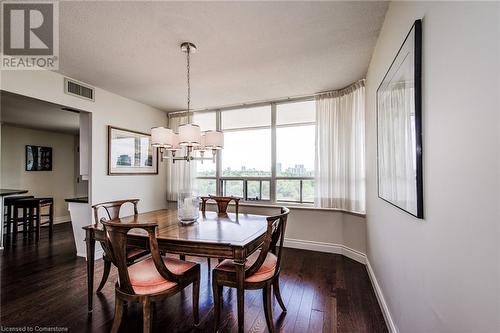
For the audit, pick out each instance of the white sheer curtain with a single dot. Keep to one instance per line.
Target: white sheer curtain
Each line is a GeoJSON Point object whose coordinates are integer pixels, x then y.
{"type": "Point", "coordinates": [340, 149]}
{"type": "Point", "coordinates": [181, 173]}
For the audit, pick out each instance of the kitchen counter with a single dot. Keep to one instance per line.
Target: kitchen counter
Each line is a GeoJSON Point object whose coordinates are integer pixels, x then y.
{"type": "Point", "coordinates": [81, 216]}
{"type": "Point", "coordinates": [5, 192]}
{"type": "Point", "coordinates": [79, 200]}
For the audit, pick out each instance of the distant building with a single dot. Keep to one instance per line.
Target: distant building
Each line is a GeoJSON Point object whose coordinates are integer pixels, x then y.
{"type": "Point", "coordinates": [297, 170]}
{"type": "Point", "coordinates": [300, 169]}
{"type": "Point", "coordinates": [278, 167]}
{"type": "Point", "coordinates": [124, 160]}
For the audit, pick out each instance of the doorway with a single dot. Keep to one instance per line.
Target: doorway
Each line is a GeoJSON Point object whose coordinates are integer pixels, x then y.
{"type": "Point", "coordinates": [45, 153]}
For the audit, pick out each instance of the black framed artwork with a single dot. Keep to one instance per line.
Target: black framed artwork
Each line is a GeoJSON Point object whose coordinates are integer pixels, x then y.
{"type": "Point", "coordinates": [399, 128]}
{"type": "Point", "coordinates": [38, 158]}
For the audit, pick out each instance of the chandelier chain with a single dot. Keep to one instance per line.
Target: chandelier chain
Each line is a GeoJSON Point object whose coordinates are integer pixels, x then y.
{"type": "Point", "coordinates": [188, 82]}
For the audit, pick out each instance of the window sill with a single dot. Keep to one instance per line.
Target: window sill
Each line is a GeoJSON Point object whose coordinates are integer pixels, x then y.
{"type": "Point", "coordinates": [292, 207]}
{"type": "Point", "coordinates": [302, 207]}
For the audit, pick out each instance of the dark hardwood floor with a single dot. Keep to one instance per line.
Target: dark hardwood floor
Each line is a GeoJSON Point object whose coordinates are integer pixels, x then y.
{"type": "Point", "coordinates": [44, 285]}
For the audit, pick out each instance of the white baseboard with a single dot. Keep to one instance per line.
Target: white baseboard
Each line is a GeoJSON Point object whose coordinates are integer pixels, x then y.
{"type": "Point", "coordinates": [62, 219]}
{"type": "Point", "coordinates": [354, 255]}
{"type": "Point", "coordinates": [381, 299]}
{"type": "Point", "coordinates": [326, 247]}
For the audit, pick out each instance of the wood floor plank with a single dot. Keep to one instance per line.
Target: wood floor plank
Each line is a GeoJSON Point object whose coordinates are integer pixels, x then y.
{"type": "Point", "coordinates": [316, 322]}
{"type": "Point", "coordinates": [44, 284]}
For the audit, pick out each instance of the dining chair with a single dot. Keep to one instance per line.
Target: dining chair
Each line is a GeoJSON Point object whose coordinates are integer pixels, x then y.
{"type": "Point", "coordinates": [262, 270]}
{"type": "Point", "coordinates": [112, 210]}
{"type": "Point", "coordinates": [149, 280]}
{"type": "Point", "coordinates": [32, 215]}
{"type": "Point", "coordinates": [222, 204]}
{"type": "Point", "coordinates": [9, 211]}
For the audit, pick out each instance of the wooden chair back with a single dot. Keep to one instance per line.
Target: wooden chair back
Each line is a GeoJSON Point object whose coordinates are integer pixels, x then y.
{"type": "Point", "coordinates": [116, 244]}
{"type": "Point", "coordinates": [222, 203]}
{"type": "Point", "coordinates": [112, 209]}
{"type": "Point", "coordinates": [273, 241]}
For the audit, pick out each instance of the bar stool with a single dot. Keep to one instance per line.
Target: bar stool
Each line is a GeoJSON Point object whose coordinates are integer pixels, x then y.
{"type": "Point", "coordinates": [9, 210]}
{"type": "Point", "coordinates": [32, 214]}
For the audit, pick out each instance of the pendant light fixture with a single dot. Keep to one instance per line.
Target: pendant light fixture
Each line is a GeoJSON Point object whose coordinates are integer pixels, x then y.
{"type": "Point", "coordinates": [190, 138]}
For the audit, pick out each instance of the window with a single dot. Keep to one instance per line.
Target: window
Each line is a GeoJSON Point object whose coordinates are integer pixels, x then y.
{"type": "Point", "coordinates": [257, 190]}
{"type": "Point", "coordinates": [247, 153]}
{"type": "Point", "coordinates": [295, 149]}
{"type": "Point", "coordinates": [249, 190]}
{"type": "Point", "coordinates": [206, 120]}
{"type": "Point", "coordinates": [245, 166]}
{"type": "Point", "coordinates": [206, 186]}
{"type": "Point", "coordinates": [232, 187]}
{"type": "Point", "coordinates": [246, 118]}
{"type": "Point", "coordinates": [247, 138]}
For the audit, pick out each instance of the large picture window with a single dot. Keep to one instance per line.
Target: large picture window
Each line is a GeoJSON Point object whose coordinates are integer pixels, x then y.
{"type": "Point", "coordinates": [268, 153]}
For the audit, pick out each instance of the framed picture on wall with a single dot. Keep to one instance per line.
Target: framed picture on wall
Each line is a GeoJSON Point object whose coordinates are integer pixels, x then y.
{"type": "Point", "coordinates": [399, 128]}
{"type": "Point", "coordinates": [38, 158]}
{"type": "Point", "coordinates": [130, 153]}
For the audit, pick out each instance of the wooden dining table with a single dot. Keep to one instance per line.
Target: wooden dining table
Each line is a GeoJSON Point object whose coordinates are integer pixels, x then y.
{"type": "Point", "coordinates": [228, 236]}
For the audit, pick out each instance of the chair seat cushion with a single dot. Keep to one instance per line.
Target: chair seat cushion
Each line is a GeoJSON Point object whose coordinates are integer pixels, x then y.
{"type": "Point", "coordinates": [146, 279]}
{"type": "Point", "coordinates": [265, 272]}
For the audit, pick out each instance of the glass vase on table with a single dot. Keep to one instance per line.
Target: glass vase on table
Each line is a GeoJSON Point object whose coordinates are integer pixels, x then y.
{"type": "Point", "coordinates": [188, 207]}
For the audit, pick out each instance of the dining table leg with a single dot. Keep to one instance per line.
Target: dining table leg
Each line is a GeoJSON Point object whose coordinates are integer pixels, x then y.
{"type": "Point", "coordinates": [90, 240]}
{"type": "Point", "coordinates": [240, 292]}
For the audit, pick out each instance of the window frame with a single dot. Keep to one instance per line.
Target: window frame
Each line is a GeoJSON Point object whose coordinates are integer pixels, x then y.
{"type": "Point", "coordinates": [219, 178]}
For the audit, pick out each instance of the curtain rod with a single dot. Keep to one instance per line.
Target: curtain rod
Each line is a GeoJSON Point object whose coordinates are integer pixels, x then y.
{"type": "Point", "coordinates": [264, 102]}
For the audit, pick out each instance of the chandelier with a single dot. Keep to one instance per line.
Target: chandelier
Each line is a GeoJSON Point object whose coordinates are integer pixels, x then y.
{"type": "Point", "coordinates": [190, 139]}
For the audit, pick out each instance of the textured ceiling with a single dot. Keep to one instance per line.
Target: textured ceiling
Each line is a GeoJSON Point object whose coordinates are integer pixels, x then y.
{"type": "Point", "coordinates": [28, 112]}
{"type": "Point", "coordinates": [247, 51]}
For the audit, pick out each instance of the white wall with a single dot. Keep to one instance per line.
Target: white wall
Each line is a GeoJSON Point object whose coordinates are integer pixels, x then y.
{"type": "Point", "coordinates": [108, 109]}
{"type": "Point", "coordinates": [442, 274]}
{"type": "Point", "coordinates": [58, 183]}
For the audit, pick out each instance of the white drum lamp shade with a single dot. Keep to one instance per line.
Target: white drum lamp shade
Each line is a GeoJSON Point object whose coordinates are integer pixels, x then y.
{"type": "Point", "coordinates": [161, 137]}
{"type": "Point", "coordinates": [214, 140]}
{"type": "Point", "coordinates": [202, 142]}
{"type": "Point", "coordinates": [175, 142]}
{"type": "Point", "coordinates": [189, 135]}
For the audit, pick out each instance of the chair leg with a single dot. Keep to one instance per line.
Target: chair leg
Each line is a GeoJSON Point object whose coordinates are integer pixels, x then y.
{"type": "Point", "coordinates": [196, 299]}
{"type": "Point", "coordinates": [105, 274]}
{"type": "Point", "coordinates": [217, 291]}
{"type": "Point", "coordinates": [146, 314]}
{"type": "Point", "coordinates": [51, 222]}
{"type": "Point", "coordinates": [32, 224]}
{"type": "Point", "coordinates": [9, 218]}
{"type": "Point", "coordinates": [208, 263]}
{"type": "Point", "coordinates": [266, 296]}
{"type": "Point", "coordinates": [38, 222]}
{"type": "Point", "coordinates": [277, 293]}
{"type": "Point", "coordinates": [118, 315]}
{"type": "Point", "coordinates": [15, 227]}
{"type": "Point", "coordinates": [26, 221]}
